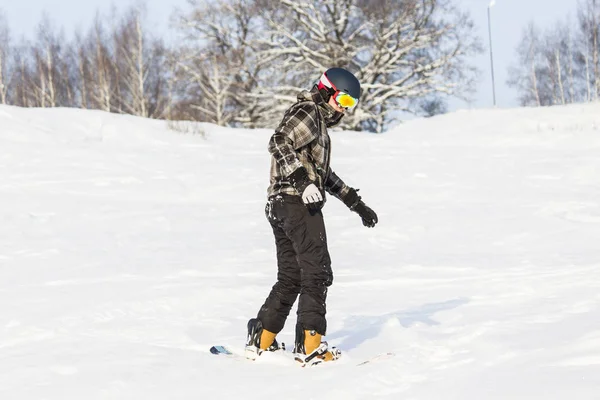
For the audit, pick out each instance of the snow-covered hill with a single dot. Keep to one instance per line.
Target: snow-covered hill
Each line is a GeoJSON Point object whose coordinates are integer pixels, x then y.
{"type": "Point", "coordinates": [127, 250]}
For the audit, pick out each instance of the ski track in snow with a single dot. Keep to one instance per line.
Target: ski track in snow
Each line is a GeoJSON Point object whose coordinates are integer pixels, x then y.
{"type": "Point", "coordinates": [127, 250]}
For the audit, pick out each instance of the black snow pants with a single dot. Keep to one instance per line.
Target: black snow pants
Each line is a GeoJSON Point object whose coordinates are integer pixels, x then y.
{"type": "Point", "coordinates": [303, 266]}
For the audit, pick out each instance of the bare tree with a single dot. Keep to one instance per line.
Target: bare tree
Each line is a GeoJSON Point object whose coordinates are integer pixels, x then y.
{"type": "Point", "coordinates": [96, 69]}
{"type": "Point", "coordinates": [566, 75]}
{"type": "Point", "coordinates": [82, 60]}
{"type": "Point", "coordinates": [158, 82]}
{"type": "Point", "coordinates": [102, 86]}
{"type": "Point", "coordinates": [218, 61]}
{"type": "Point", "coordinates": [571, 60]}
{"type": "Point", "coordinates": [21, 95]}
{"type": "Point", "coordinates": [555, 56]}
{"type": "Point", "coordinates": [553, 67]}
{"type": "Point", "coordinates": [525, 76]}
{"type": "Point", "coordinates": [44, 56]}
{"type": "Point", "coordinates": [401, 51]}
{"type": "Point", "coordinates": [140, 68]}
{"type": "Point", "coordinates": [421, 49]}
{"type": "Point", "coordinates": [589, 21]}
{"type": "Point", "coordinates": [129, 59]}
{"type": "Point", "coordinates": [213, 87]}
{"type": "Point", "coordinates": [5, 51]}
{"type": "Point", "coordinates": [54, 83]}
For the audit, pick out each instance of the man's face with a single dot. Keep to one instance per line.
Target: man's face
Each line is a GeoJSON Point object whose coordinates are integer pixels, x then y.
{"type": "Point", "coordinates": [335, 105]}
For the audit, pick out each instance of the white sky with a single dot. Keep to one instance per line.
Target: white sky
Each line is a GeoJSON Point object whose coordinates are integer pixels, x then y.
{"type": "Point", "coordinates": [509, 17]}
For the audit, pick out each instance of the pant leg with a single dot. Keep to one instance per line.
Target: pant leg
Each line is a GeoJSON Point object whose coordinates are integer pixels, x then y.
{"type": "Point", "coordinates": [284, 293]}
{"type": "Point", "coordinates": [304, 266]}
{"type": "Point", "coordinates": [307, 233]}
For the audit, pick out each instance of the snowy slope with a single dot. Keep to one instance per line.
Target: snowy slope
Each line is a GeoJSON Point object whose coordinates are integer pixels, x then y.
{"type": "Point", "coordinates": [127, 250]}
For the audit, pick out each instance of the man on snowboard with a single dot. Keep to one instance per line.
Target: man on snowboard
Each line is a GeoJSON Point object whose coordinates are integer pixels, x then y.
{"type": "Point", "coordinates": [300, 174]}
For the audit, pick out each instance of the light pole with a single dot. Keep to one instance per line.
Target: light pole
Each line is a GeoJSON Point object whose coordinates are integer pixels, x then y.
{"type": "Point", "coordinates": [492, 3]}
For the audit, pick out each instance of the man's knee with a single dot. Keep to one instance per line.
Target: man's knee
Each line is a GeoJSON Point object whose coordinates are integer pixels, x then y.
{"type": "Point", "coordinates": [317, 277]}
{"type": "Point", "coordinates": [288, 282]}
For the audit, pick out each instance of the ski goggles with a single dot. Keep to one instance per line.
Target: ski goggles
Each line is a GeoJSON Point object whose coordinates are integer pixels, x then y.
{"type": "Point", "coordinates": [343, 99]}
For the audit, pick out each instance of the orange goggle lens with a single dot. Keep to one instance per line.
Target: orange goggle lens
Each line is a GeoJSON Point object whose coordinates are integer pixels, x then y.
{"type": "Point", "coordinates": [346, 101]}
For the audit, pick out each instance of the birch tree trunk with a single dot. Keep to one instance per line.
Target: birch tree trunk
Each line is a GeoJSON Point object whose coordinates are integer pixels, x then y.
{"type": "Point", "coordinates": [83, 76]}
{"type": "Point", "coordinates": [50, 77]}
{"type": "Point", "coordinates": [140, 70]}
{"type": "Point", "coordinates": [588, 78]}
{"type": "Point", "coordinates": [595, 56]}
{"type": "Point", "coordinates": [22, 85]}
{"type": "Point", "coordinates": [570, 66]}
{"type": "Point", "coordinates": [3, 83]}
{"type": "Point", "coordinates": [534, 85]}
{"type": "Point", "coordinates": [559, 78]}
{"type": "Point", "coordinates": [103, 88]}
{"type": "Point", "coordinates": [5, 52]}
{"type": "Point", "coordinates": [41, 92]}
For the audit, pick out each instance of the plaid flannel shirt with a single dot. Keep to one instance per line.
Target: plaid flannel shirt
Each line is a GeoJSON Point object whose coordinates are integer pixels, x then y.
{"type": "Point", "coordinates": [301, 149]}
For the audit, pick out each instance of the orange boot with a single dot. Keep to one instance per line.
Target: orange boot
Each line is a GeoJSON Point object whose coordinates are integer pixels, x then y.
{"type": "Point", "coordinates": [259, 340]}
{"type": "Point", "coordinates": [267, 339]}
{"type": "Point", "coordinates": [312, 343]}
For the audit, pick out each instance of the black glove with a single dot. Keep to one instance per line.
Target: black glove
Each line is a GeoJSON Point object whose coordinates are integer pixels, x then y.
{"type": "Point", "coordinates": [369, 218]}
{"type": "Point", "coordinates": [354, 203]}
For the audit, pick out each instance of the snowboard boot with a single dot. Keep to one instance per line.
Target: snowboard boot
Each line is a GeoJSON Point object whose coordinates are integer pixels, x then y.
{"type": "Point", "coordinates": [310, 350]}
{"type": "Point", "coordinates": [259, 340]}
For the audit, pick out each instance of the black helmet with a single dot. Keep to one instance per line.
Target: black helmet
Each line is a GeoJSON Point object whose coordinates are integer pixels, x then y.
{"type": "Point", "coordinates": [339, 79]}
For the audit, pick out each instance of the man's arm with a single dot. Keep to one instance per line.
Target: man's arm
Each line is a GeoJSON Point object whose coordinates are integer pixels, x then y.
{"type": "Point", "coordinates": [297, 129]}
{"type": "Point", "coordinates": [336, 187]}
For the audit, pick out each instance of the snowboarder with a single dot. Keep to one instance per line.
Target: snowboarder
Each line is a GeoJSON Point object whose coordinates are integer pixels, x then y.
{"type": "Point", "coordinates": [300, 175]}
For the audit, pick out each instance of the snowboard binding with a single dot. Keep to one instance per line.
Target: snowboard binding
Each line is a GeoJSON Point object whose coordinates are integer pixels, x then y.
{"type": "Point", "coordinates": [318, 355]}
{"type": "Point", "coordinates": [253, 347]}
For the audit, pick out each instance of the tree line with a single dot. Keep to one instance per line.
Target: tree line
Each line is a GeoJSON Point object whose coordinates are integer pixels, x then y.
{"type": "Point", "coordinates": [242, 62]}
{"type": "Point", "coordinates": [119, 69]}
{"type": "Point", "coordinates": [562, 64]}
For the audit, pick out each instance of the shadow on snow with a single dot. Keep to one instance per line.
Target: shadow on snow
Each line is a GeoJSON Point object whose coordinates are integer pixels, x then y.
{"type": "Point", "coordinates": [360, 328]}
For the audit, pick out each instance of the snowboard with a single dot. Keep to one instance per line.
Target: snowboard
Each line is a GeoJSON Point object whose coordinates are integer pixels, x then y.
{"type": "Point", "coordinates": [378, 357]}
{"type": "Point", "coordinates": [229, 352]}
{"type": "Point", "coordinates": [275, 357]}
{"type": "Point", "coordinates": [220, 350]}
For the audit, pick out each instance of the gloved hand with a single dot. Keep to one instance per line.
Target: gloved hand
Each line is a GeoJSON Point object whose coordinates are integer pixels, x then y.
{"type": "Point", "coordinates": [312, 197]}
{"type": "Point", "coordinates": [369, 218]}
{"type": "Point", "coordinates": [354, 203]}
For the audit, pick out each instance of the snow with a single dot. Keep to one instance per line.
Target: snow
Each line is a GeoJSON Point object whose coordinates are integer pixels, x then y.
{"type": "Point", "coordinates": [127, 250]}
